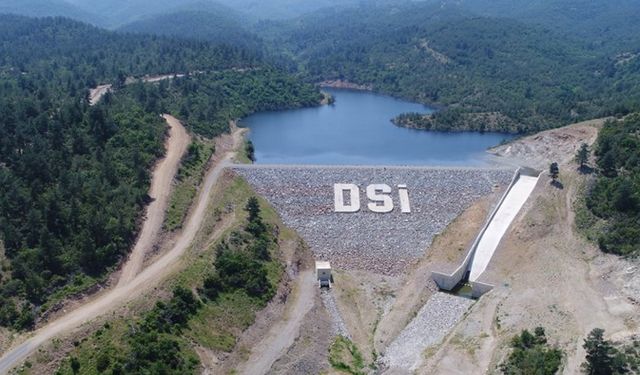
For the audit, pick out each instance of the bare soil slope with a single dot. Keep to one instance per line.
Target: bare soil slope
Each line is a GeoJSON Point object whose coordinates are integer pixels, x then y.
{"type": "Point", "coordinates": [545, 272]}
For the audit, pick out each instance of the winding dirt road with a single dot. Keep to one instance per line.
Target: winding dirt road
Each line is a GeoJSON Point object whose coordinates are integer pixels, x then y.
{"type": "Point", "coordinates": [125, 292]}
{"type": "Point", "coordinates": [160, 191]}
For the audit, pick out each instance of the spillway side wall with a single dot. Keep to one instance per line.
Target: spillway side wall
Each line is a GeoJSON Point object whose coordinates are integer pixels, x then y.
{"type": "Point", "coordinates": [450, 281]}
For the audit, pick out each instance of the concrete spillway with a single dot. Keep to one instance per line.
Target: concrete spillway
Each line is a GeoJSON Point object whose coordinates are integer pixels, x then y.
{"type": "Point", "coordinates": [498, 226]}
{"type": "Point", "coordinates": [487, 241]}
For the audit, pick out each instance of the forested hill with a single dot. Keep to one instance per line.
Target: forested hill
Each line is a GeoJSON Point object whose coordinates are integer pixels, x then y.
{"type": "Point", "coordinates": [219, 25]}
{"type": "Point", "coordinates": [615, 197]}
{"type": "Point", "coordinates": [89, 53]}
{"type": "Point", "coordinates": [489, 73]}
{"type": "Point", "coordinates": [74, 178]}
{"type": "Point", "coordinates": [48, 8]}
{"type": "Point", "coordinates": [604, 24]}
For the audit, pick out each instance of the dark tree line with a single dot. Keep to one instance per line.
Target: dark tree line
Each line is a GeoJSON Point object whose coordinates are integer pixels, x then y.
{"type": "Point", "coordinates": [615, 196]}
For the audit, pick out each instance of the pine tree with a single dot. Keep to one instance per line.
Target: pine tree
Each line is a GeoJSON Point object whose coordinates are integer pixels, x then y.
{"type": "Point", "coordinates": [554, 171]}
{"type": "Point", "coordinates": [602, 358]}
{"type": "Point", "coordinates": [582, 156]}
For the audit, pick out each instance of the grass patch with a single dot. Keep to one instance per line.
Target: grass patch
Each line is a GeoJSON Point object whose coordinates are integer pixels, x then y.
{"type": "Point", "coordinates": [218, 323]}
{"type": "Point", "coordinates": [243, 153]}
{"type": "Point", "coordinates": [188, 179]}
{"type": "Point", "coordinates": [99, 353]}
{"type": "Point", "coordinates": [344, 356]}
{"type": "Point", "coordinates": [80, 284]}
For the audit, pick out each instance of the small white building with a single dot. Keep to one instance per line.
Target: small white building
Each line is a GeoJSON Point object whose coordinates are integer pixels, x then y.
{"type": "Point", "coordinates": [323, 274]}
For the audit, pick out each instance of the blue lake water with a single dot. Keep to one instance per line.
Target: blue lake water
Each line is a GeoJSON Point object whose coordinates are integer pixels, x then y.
{"type": "Point", "coordinates": [356, 130]}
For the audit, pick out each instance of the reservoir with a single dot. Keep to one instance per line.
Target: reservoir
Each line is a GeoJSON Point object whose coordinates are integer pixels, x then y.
{"type": "Point", "coordinates": [357, 130]}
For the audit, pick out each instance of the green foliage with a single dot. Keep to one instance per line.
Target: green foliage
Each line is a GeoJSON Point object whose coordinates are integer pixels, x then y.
{"type": "Point", "coordinates": [630, 353]}
{"type": "Point", "coordinates": [582, 156]}
{"type": "Point", "coordinates": [609, 25]}
{"type": "Point", "coordinates": [237, 270]}
{"type": "Point", "coordinates": [70, 197]}
{"type": "Point", "coordinates": [240, 261]}
{"type": "Point", "coordinates": [153, 344]}
{"type": "Point", "coordinates": [345, 356]}
{"type": "Point", "coordinates": [602, 357]}
{"type": "Point", "coordinates": [75, 365]}
{"type": "Point", "coordinates": [216, 24]}
{"type": "Point", "coordinates": [485, 69]}
{"type": "Point", "coordinates": [207, 102]}
{"type": "Point", "coordinates": [532, 355]}
{"type": "Point", "coordinates": [489, 73]}
{"type": "Point", "coordinates": [160, 340]}
{"type": "Point", "coordinates": [615, 197]}
{"type": "Point", "coordinates": [253, 209]}
{"type": "Point", "coordinates": [189, 177]}
{"type": "Point", "coordinates": [250, 151]}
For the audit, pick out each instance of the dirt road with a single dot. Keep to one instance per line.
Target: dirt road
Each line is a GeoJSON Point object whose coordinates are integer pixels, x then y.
{"type": "Point", "coordinates": [148, 278]}
{"type": "Point", "coordinates": [163, 175]}
{"type": "Point", "coordinates": [282, 335]}
{"type": "Point", "coordinates": [97, 93]}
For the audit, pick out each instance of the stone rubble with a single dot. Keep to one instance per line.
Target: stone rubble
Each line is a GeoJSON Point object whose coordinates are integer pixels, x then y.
{"type": "Point", "coordinates": [329, 302]}
{"type": "Point", "coordinates": [433, 322]}
{"type": "Point", "coordinates": [382, 243]}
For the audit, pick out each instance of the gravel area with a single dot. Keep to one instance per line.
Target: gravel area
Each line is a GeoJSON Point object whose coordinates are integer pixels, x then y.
{"type": "Point", "coordinates": [329, 302]}
{"type": "Point", "coordinates": [433, 322]}
{"type": "Point", "coordinates": [383, 243]}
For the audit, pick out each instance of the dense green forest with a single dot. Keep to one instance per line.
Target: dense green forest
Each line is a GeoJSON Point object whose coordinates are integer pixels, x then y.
{"type": "Point", "coordinates": [215, 25]}
{"type": "Point", "coordinates": [74, 178]}
{"type": "Point", "coordinates": [208, 102]}
{"type": "Point", "coordinates": [484, 73]}
{"type": "Point", "coordinates": [605, 24]}
{"type": "Point", "coordinates": [47, 8]}
{"type": "Point", "coordinates": [616, 194]}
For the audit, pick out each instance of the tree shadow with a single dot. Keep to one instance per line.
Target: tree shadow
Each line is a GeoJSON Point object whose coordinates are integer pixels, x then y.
{"type": "Point", "coordinates": [557, 184]}
{"type": "Point", "coordinates": [585, 169]}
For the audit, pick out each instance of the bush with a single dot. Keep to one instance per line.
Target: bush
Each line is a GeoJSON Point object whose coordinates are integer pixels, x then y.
{"type": "Point", "coordinates": [532, 355]}
{"type": "Point", "coordinates": [238, 271]}
{"type": "Point", "coordinates": [103, 362]}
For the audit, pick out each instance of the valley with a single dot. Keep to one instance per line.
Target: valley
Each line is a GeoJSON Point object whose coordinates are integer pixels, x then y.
{"type": "Point", "coordinates": [178, 178]}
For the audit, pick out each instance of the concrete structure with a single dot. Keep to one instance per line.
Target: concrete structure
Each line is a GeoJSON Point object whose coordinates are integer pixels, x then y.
{"type": "Point", "coordinates": [487, 241]}
{"type": "Point", "coordinates": [498, 226]}
{"type": "Point", "coordinates": [323, 274]}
